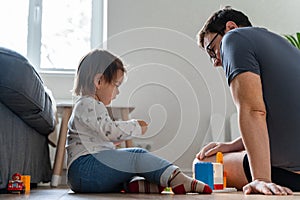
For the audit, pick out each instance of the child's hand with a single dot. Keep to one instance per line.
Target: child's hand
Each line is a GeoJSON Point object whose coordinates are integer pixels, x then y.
{"type": "Point", "coordinates": [144, 126]}
{"type": "Point", "coordinates": [117, 143]}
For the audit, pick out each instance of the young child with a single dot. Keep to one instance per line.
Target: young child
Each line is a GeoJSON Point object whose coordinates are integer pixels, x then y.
{"type": "Point", "coordinates": [94, 164]}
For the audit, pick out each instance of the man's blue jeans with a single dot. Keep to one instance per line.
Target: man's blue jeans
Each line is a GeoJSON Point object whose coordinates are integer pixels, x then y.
{"type": "Point", "coordinates": [109, 170]}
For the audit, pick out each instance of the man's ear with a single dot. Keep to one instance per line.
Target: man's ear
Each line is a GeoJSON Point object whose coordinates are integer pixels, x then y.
{"type": "Point", "coordinates": [230, 25]}
{"type": "Point", "coordinates": [98, 80]}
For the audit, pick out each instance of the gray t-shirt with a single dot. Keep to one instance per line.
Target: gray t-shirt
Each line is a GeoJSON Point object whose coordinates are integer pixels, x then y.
{"type": "Point", "coordinates": [277, 62]}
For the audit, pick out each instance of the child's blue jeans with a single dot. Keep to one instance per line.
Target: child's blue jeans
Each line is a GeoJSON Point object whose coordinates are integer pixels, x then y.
{"type": "Point", "coordinates": [109, 170]}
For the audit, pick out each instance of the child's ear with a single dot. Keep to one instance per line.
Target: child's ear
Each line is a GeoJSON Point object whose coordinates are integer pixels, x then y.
{"type": "Point", "coordinates": [98, 80]}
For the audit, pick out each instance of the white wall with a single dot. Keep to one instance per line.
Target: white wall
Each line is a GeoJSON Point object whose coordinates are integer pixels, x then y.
{"type": "Point", "coordinates": [170, 80]}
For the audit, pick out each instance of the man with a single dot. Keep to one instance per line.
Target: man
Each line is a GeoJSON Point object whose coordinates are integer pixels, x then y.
{"type": "Point", "coordinates": [263, 73]}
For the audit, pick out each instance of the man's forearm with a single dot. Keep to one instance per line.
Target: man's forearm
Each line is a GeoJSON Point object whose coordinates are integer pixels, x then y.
{"type": "Point", "coordinates": [256, 141]}
{"type": "Point", "coordinates": [237, 144]}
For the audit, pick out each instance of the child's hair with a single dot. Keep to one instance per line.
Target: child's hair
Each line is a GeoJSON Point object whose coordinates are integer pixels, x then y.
{"type": "Point", "coordinates": [95, 62]}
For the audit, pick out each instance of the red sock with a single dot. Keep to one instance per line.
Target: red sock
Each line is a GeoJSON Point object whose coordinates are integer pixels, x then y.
{"type": "Point", "coordinates": [182, 184]}
{"type": "Point", "coordinates": [142, 186]}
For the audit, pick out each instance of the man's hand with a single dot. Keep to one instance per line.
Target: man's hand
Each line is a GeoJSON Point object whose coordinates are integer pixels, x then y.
{"type": "Point", "coordinates": [263, 187]}
{"type": "Point", "coordinates": [211, 149]}
{"type": "Point", "coordinates": [143, 125]}
{"type": "Point", "coordinates": [224, 147]}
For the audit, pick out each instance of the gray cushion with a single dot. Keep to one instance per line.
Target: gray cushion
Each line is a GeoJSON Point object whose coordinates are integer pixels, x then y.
{"type": "Point", "coordinates": [22, 91]}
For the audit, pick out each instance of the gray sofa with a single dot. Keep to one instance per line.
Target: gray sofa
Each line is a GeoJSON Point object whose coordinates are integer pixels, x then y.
{"type": "Point", "coordinates": [26, 119]}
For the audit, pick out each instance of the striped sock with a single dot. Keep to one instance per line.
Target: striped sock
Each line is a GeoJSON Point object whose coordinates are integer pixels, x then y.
{"type": "Point", "coordinates": [143, 186]}
{"type": "Point", "coordinates": [182, 184]}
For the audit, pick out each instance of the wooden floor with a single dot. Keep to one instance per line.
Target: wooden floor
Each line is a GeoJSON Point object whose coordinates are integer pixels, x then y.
{"type": "Point", "coordinates": [64, 193]}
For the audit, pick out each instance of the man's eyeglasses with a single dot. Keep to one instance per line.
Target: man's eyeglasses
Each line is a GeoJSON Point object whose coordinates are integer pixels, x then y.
{"type": "Point", "coordinates": [210, 51]}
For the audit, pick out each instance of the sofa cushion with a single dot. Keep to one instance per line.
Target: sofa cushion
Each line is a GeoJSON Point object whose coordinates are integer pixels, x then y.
{"type": "Point", "coordinates": [22, 91]}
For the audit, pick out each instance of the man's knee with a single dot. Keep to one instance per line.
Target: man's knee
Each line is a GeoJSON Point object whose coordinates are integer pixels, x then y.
{"type": "Point", "coordinates": [233, 165]}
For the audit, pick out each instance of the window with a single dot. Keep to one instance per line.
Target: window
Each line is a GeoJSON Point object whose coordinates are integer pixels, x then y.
{"type": "Point", "coordinates": [53, 34]}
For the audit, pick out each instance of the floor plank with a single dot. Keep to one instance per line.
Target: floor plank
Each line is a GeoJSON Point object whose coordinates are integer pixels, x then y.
{"type": "Point", "coordinates": [64, 193]}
